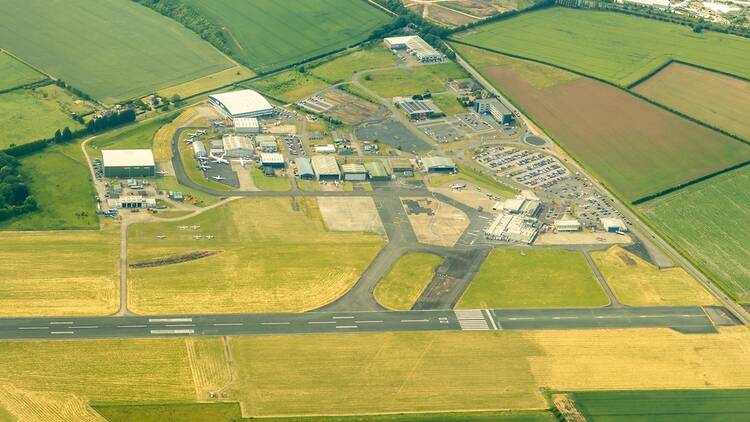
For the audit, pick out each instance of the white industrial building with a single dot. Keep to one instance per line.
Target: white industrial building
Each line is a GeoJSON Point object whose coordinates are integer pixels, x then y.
{"type": "Point", "coordinates": [613, 225]}
{"type": "Point", "coordinates": [325, 149]}
{"type": "Point", "coordinates": [438, 164]}
{"type": "Point", "coordinates": [567, 225]}
{"type": "Point", "coordinates": [236, 146]}
{"type": "Point", "coordinates": [416, 46]}
{"type": "Point", "coordinates": [199, 150]}
{"type": "Point", "coordinates": [519, 205]}
{"type": "Point", "coordinates": [354, 172]}
{"type": "Point", "coordinates": [325, 167]}
{"type": "Point", "coordinates": [267, 143]}
{"type": "Point", "coordinates": [133, 201]}
{"type": "Point", "coordinates": [243, 103]}
{"type": "Point", "coordinates": [512, 228]}
{"type": "Point", "coordinates": [127, 163]}
{"type": "Point", "coordinates": [495, 108]}
{"type": "Point", "coordinates": [417, 109]}
{"type": "Point", "coordinates": [271, 159]}
{"type": "Point", "coordinates": [246, 125]}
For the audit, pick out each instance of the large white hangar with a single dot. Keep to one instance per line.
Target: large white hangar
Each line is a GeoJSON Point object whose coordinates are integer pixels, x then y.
{"type": "Point", "coordinates": [244, 103]}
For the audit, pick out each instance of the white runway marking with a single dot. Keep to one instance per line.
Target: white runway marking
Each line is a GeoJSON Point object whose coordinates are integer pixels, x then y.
{"type": "Point", "coordinates": [367, 322]}
{"type": "Point", "coordinates": [61, 332]}
{"type": "Point", "coordinates": [321, 322]}
{"type": "Point", "coordinates": [131, 326]}
{"type": "Point", "coordinates": [652, 316]}
{"type": "Point", "coordinates": [275, 323]}
{"type": "Point", "coordinates": [519, 318]}
{"type": "Point", "coordinates": [32, 328]}
{"type": "Point", "coordinates": [565, 317]}
{"type": "Point", "coordinates": [415, 320]}
{"type": "Point", "coordinates": [179, 325]}
{"type": "Point", "coordinates": [605, 317]}
{"type": "Point", "coordinates": [170, 320]}
{"type": "Point", "coordinates": [346, 326]}
{"type": "Point", "coordinates": [692, 316]}
{"type": "Point", "coordinates": [343, 317]}
{"type": "Point", "coordinates": [84, 326]}
{"type": "Point", "coordinates": [184, 331]}
{"type": "Point", "coordinates": [492, 320]}
{"type": "Point", "coordinates": [222, 324]}
{"type": "Point", "coordinates": [62, 323]}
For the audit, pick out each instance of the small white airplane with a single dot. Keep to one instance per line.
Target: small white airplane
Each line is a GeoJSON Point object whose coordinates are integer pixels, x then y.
{"type": "Point", "coordinates": [201, 132]}
{"type": "Point", "coordinates": [202, 158]}
{"type": "Point", "coordinates": [204, 167]}
{"type": "Point", "coordinates": [161, 236]}
{"type": "Point", "coordinates": [458, 186]}
{"type": "Point", "coordinates": [197, 237]}
{"type": "Point", "coordinates": [195, 227]}
{"type": "Point", "coordinates": [243, 161]}
{"type": "Point", "coordinates": [189, 141]}
{"type": "Point", "coordinates": [209, 237]}
{"type": "Point", "coordinates": [220, 160]}
{"type": "Point", "coordinates": [183, 227]}
{"type": "Point", "coordinates": [219, 178]}
{"type": "Point", "coordinates": [161, 172]}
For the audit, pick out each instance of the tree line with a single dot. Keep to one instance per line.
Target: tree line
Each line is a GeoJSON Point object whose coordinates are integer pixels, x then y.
{"type": "Point", "coordinates": [15, 198]}
{"type": "Point", "coordinates": [63, 135]}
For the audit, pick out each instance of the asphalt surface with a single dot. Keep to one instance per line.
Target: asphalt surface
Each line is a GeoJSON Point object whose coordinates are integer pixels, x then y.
{"type": "Point", "coordinates": [684, 319]}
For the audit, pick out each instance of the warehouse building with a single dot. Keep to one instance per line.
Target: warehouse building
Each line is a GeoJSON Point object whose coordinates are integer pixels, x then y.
{"type": "Point", "coordinates": [417, 109]}
{"type": "Point", "coordinates": [567, 225]}
{"type": "Point", "coordinates": [376, 170]}
{"type": "Point", "coordinates": [272, 160]}
{"type": "Point", "coordinates": [438, 165]}
{"type": "Point", "coordinates": [243, 103]}
{"type": "Point", "coordinates": [133, 201]}
{"type": "Point", "coordinates": [304, 168]}
{"type": "Point", "coordinates": [354, 172]}
{"type": "Point", "coordinates": [512, 228]}
{"type": "Point", "coordinates": [494, 107]}
{"type": "Point", "coordinates": [267, 143]}
{"type": "Point", "coordinates": [401, 166]}
{"type": "Point", "coordinates": [325, 167]}
{"type": "Point", "coordinates": [246, 125]}
{"type": "Point", "coordinates": [613, 225]}
{"type": "Point", "coordinates": [236, 146]}
{"type": "Point", "coordinates": [416, 46]}
{"type": "Point", "coordinates": [325, 149]}
{"type": "Point", "coordinates": [126, 163]}
{"type": "Point", "coordinates": [519, 205]}
{"type": "Point", "coordinates": [199, 150]}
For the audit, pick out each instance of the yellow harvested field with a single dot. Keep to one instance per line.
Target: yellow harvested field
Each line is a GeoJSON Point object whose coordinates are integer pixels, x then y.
{"type": "Point", "coordinates": [406, 280]}
{"type": "Point", "coordinates": [640, 359]}
{"type": "Point", "coordinates": [162, 144]}
{"type": "Point", "coordinates": [206, 83]}
{"type": "Point", "coordinates": [637, 282]}
{"type": "Point", "coordinates": [208, 363]}
{"type": "Point", "coordinates": [147, 370]}
{"type": "Point", "coordinates": [34, 406]}
{"type": "Point", "coordinates": [342, 374]}
{"type": "Point", "coordinates": [60, 272]}
{"type": "Point", "coordinates": [350, 214]}
{"type": "Point", "coordinates": [268, 257]}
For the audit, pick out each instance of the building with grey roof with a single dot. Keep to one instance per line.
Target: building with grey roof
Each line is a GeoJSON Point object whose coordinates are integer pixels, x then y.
{"type": "Point", "coordinates": [495, 108]}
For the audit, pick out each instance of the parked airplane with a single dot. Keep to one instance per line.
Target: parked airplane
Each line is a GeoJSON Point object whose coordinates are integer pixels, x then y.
{"type": "Point", "coordinates": [204, 167]}
{"type": "Point", "coordinates": [197, 237]}
{"type": "Point", "coordinates": [243, 162]}
{"type": "Point", "coordinates": [161, 236]}
{"type": "Point", "coordinates": [209, 236]}
{"type": "Point", "coordinates": [161, 172]}
{"type": "Point", "coordinates": [202, 158]}
{"type": "Point", "coordinates": [220, 160]}
{"type": "Point", "coordinates": [201, 132]}
{"type": "Point", "coordinates": [189, 141]}
{"type": "Point", "coordinates": [195, 227]}
{"type": "Point", "coordinates": [183, 227]}
{"type": "Point", "coordinates": [219, 178]}
{"type": "Point", "coordinates": [458, 186]}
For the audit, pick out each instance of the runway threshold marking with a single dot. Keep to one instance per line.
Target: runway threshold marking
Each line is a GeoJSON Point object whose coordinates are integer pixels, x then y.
{"type": "Point", "coordinates": [492, 320]}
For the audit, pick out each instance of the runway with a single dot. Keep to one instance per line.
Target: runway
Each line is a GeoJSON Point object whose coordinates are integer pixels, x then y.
{"type": "Point", "coordinates": [684, 319]}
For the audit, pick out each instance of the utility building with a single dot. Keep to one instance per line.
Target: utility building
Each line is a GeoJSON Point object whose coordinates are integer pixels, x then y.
{"type": "Point", "coordinates": [354, 172]}
{"type": "Point", "coordinates": [272, 159]}
{"type": "Point", "coordinates": [304, 168]}
{"type": "Point", "coordinates": [614, 225]}
{"type": "Point", "coordinates": [438, 165]}
{"type": "Point", "coordinates": [243, 103]}
{"type": "Point", "coordinates": [494, 107]}
{"type": "Point", "coordinates": [567, 225]}
{"type": "Point", "coordinates": [416, 46]}
{"type": "Point", "coordinates": [236, 146]}
{"type": "Point", "coordinates": [246, 125]}
{"type": "Point", "coordinates": [326, 167]}
{"type": "Point", "coordinates": [417, 109]}
{"type": "Point", "coordinates": [126, 163]}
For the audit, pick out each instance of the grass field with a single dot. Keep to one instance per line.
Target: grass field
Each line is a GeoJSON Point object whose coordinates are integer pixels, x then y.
{"type": "Point", "coordinates": [193, 171]}
{"type": "Point", "coordinates": [266, 34]}
{"type": "Point", "coordinates": [406, 280]}
{"type": "Point", "coordinates": [275, 183]}
{"type": "Point", "coordinates": [278, 260]}
{"type": "Point", "coordinates": [192, 196]}
{"type": "Point", "coordinates": [289, 86]}
{"type": "Point", "coordinates": [27, 115]}
{"type": "Point", "coordinates": [633, 147]}
{"type": "Point", "coordinates": [215, 80]}
{"type": "Point", "coordinates": [582, 40]}
{"type": "Point", "coordinates": [523, 278]}
{"type": "Point", "coordinates": [138, 136]}
{"type": "Point", "coordinates": [343, 67]}
{"type": "Point", "coordinates": [414, 80]}
{"type": "Point", "coordinates": [162, 139]}
{"type": "Point", "coordinates": [472, 176]}
{"type": "Point", "coordinates": [448, 104]}
{"type": "Point", "coordinates": [39, 280]}
{"type": "Point", "coordinates": [719, 100]}
{"type": "Point", "coordinates": [14, 73]}
{"type": "Point", "coordinates": [230, 412]}
{"type": "Point", "coordinates": [125, 59]}
{"type": "Point", "coordinates": [667, 405]}
{"type": "Point", "coordinates": [710, 221]}
{"type": "Point", "coordinates": [64, 202]}
{"type": "Point", "coordinates": [636, 282]}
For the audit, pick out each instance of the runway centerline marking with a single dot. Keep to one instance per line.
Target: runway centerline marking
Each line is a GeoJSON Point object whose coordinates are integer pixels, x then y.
{"type": "Point", "coordinates": [170, 320]}
{"type": "Point", "coordinates": [131, 326]}
{"type": "Point", "coordinates": [343, 317]}
{"type": "Point", "coordinates": [346, 326]}
{"type": "Point", "coordinates": [519, 318]}
{"type": "Point", "coordinates": [415, 320]}
{"type": "Point", "coordinates": [275, 323]}
{"type": "Point", "coordinates": [222, 324]}
{"type": "Point", "coordinates": [84, 326]}
{"type": "Point", "coordinates": [367, 322]}
{"type": "Point", "coordinates": [179, 325]}
{"type": "Point", "coordinates": [33, 328]}
{"type": "Point", "coordinates": [61, 332]}
{"type": "Point", "coordinates": [565, 317]}
{"type": "Point", "coordinates": [62, 323]}
{"type": "Point", "coordinates": [321, 322]}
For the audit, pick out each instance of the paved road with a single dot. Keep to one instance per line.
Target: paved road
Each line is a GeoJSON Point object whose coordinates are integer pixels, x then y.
{"type": "Point", "coordinates": [685, 319]}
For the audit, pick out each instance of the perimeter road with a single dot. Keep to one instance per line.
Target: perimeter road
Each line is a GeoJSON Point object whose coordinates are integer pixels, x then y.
{"type": "Point", "coordinates": [691, 319]}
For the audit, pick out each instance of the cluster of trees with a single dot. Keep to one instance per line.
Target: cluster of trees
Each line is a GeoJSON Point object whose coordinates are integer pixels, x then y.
{"type": "Point", "coordinates": [15, 198]}
{"type": "Point", "coordinates": [65, 135]}
{"type": "Point", "coordinates": [193, 20]}
{"type": "Point", "coordinates": [75, 91]}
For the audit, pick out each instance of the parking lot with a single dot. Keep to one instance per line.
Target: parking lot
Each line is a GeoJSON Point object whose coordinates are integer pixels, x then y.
{"type": "Point", "coordinates": [294, 145]}
{"type": "Point", "coordinates": [576, 197]}
{"type": "Point", "coordinates": [442, 131]}
{"type": "Point", "coordinates": [531, 168]}
{"type": "Point", "coordinates": [478, 123]}
{"type": "Point", "coordinates": [392, 133]}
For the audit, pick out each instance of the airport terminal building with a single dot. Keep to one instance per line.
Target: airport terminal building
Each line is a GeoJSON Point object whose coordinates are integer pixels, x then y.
{"type": "Point", "coordinates": [243, 103]}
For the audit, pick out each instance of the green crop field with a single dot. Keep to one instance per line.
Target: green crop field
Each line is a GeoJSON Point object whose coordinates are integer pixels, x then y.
{"type": "Point", "coordinates": [109, 49]}
{"type": "Point", "coordinates": [413, 80]}
{"type": "Point", "coordinates": [523, 278]}
{"type": "Point", "coordinates": [582, 40]}
{"type": "Point", "coordinates": [710, 221]}
{"type": "Point", "coordinates": [268, 34]}
{"type": "Point", "coordinates": [664, 405]}
{"type": "Point", "coordinates": [406, 280]}
{"type": "Point", "coordinates": [719, 100]}
{"type": "Point", "coordinates": [14, 73]}
{"type": "Point", "coordinates": [279, 260]}
{"type": "Point", "coordinates": [270, 183]}
{"type": "Point", "coordinates": [343, 67]}
{"type": "Point", "coordinates": [289, 86]}
{"type": "Point", "coordinates": [633, 147]}
{"type": "Point", "coordinates": [59, 179]}
{"type": "Point", "coordinates": [27, 115]}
